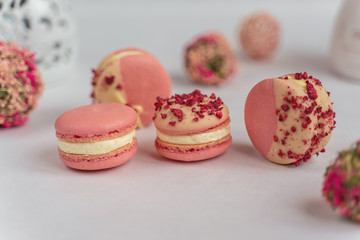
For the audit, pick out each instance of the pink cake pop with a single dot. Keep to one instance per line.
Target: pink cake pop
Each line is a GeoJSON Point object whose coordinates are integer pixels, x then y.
{"type": "Point", "coordinates": [259, 35]}
{"type": "Point", "coordinates": [20, 85]}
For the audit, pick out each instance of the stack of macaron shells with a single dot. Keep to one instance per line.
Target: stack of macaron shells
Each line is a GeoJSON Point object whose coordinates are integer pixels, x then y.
{"type": "Point", "coordinates": [133, 77]}
{"type": "Point", "coordinates": [192, 127]}
{"type": "Point", "coordinates": [289, 118]}
{"type": "Point", "coordinates": [97, 136]}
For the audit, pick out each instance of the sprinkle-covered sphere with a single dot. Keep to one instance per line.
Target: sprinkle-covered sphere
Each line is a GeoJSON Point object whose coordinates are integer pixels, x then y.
{"type": "Point", "coordinates": [259, 35]}
{"type": "Point", "coordinates": [20, 84]}
{"type": "Point", "coordinates": [210, 60]}
{"type": "Point", "coordinates": [341, 186]}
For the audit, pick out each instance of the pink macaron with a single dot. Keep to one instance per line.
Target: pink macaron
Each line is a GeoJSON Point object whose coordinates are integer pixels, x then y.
{"type": "Point", "coordinates": [192, 127]}
{"type": "Point", "coordinates": [97, 136]}
{"type": "Point", "coordinates": [133, 77]}
{"type": "Point", "coordinates": [289, 118]}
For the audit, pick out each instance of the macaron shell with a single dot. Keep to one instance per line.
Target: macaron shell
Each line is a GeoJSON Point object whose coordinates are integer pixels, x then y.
{"type": "Point", "coordinates": [138, 78]}
{"type": "Point", "coordinates": [296, 142]}
{"type": "Point", "coordinates": [109, 67]}
{"type": "Point", "coordinates": [260, 119]}
{"type": "Point", "coordinates": [95, 122]}
{"type": "Point", "coordinates": [100, 161]}
{"type": "Point", "coordinates": [151, 81]}
{"type": "Point", "coordinates": [280, 134]}
{"type": "Point", "coordinates": [117, 55]}
{"type": "Point", "coordinates": [281, 87]}
{"type": "Point", "coordinates": [193, 152]}
{"type": "Point", "coordinates": [188, 125]}
{"type": "Point", "coordinates": [104, 92]}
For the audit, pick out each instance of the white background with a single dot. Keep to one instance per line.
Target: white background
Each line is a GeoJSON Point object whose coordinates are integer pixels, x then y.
{"type": "Point", "coordinates": [239, 195]}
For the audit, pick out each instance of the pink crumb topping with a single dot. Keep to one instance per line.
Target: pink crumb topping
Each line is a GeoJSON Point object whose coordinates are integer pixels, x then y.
{"type": "Point", "coordinates": [20, 85]}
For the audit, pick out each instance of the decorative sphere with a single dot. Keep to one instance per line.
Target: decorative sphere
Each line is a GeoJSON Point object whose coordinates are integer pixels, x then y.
{"type": "Point", "coordinates": [20, 85]}
{"type": "Point", "coordinates": [259, 35]}
{"type": "Point", "coordinates": [341, 187]}
{"type": "Point", "coordinates": [209, 59]}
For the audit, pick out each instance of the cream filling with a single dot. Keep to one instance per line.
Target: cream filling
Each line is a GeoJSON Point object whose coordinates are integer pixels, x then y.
{"type": "Point", "coordinates": [195, 138]}
{"type": "Point", "coordinates": [99, 147]}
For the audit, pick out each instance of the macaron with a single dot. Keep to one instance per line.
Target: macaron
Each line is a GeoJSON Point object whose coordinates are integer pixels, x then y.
{"type": "Point", "coordinates": [97, 136]}
{"type": "Point", "coordinates": [260, 35]}
{"type": "Point", "coordinates": [133, 77]}
{"type": "Point", "coordinates": [341, 186]}
{"type": "Point", "coordinates": [289, 118]}
{"type": "Point", "coordinates": [192, 127]}
{"type": "Point", "coordinates": [210, 60]}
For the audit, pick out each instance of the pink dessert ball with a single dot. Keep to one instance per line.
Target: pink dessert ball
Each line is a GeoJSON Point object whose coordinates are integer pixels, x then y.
{"type": "Point", "coordinates": [20, 84]}
{"type": "Point", "coordinates": [209, 59]}
{"type": "Point", "coordinates": [259, 35]}
{"type": "Point", "coordinates": [341, 186]}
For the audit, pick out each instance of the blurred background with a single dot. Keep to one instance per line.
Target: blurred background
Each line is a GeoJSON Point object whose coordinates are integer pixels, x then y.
{"type": "Point", "coordinates": [163, 27]}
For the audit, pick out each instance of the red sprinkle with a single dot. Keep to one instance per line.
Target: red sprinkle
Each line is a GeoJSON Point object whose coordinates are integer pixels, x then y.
{"type": "Point", "coordinates": [196, 119]}
{"type": "Point", "coordinates": [219, 115]}
{"type": "Point", "coordinates": [212, 105]}
{"type": "Point", "coordinates": [285, 107]}
{"type": "Point", "coordinates": [281, 154]}
{"type": "Point", "coordinates": [327, 114]}
{"type": "Point", "coordinates": [163, 115]}
{"type": "Point", "coordinates": [311, 91]}
{"type": "Point", "coordinates": [276, 138]}
{"type": "Point", "coordinates": [177, 112]}
{"type": "Point", "coordinates": [172, 123]}
{"type": "Point", "coordinates": [293, 129]}
{"type": "Point", "coordinates": [109, 80]}
{"type": "Point", "coordinates": [298, 76]}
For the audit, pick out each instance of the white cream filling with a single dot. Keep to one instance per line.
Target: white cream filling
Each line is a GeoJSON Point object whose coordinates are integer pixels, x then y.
{"type": "Point", "coordinates": [195, 138]}
{"type": "Point", "coordinates": [98, 147]}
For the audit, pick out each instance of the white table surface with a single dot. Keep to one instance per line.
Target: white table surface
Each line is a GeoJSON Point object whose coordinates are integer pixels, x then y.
{"type": "Point", "coordinates": [238, 195]}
